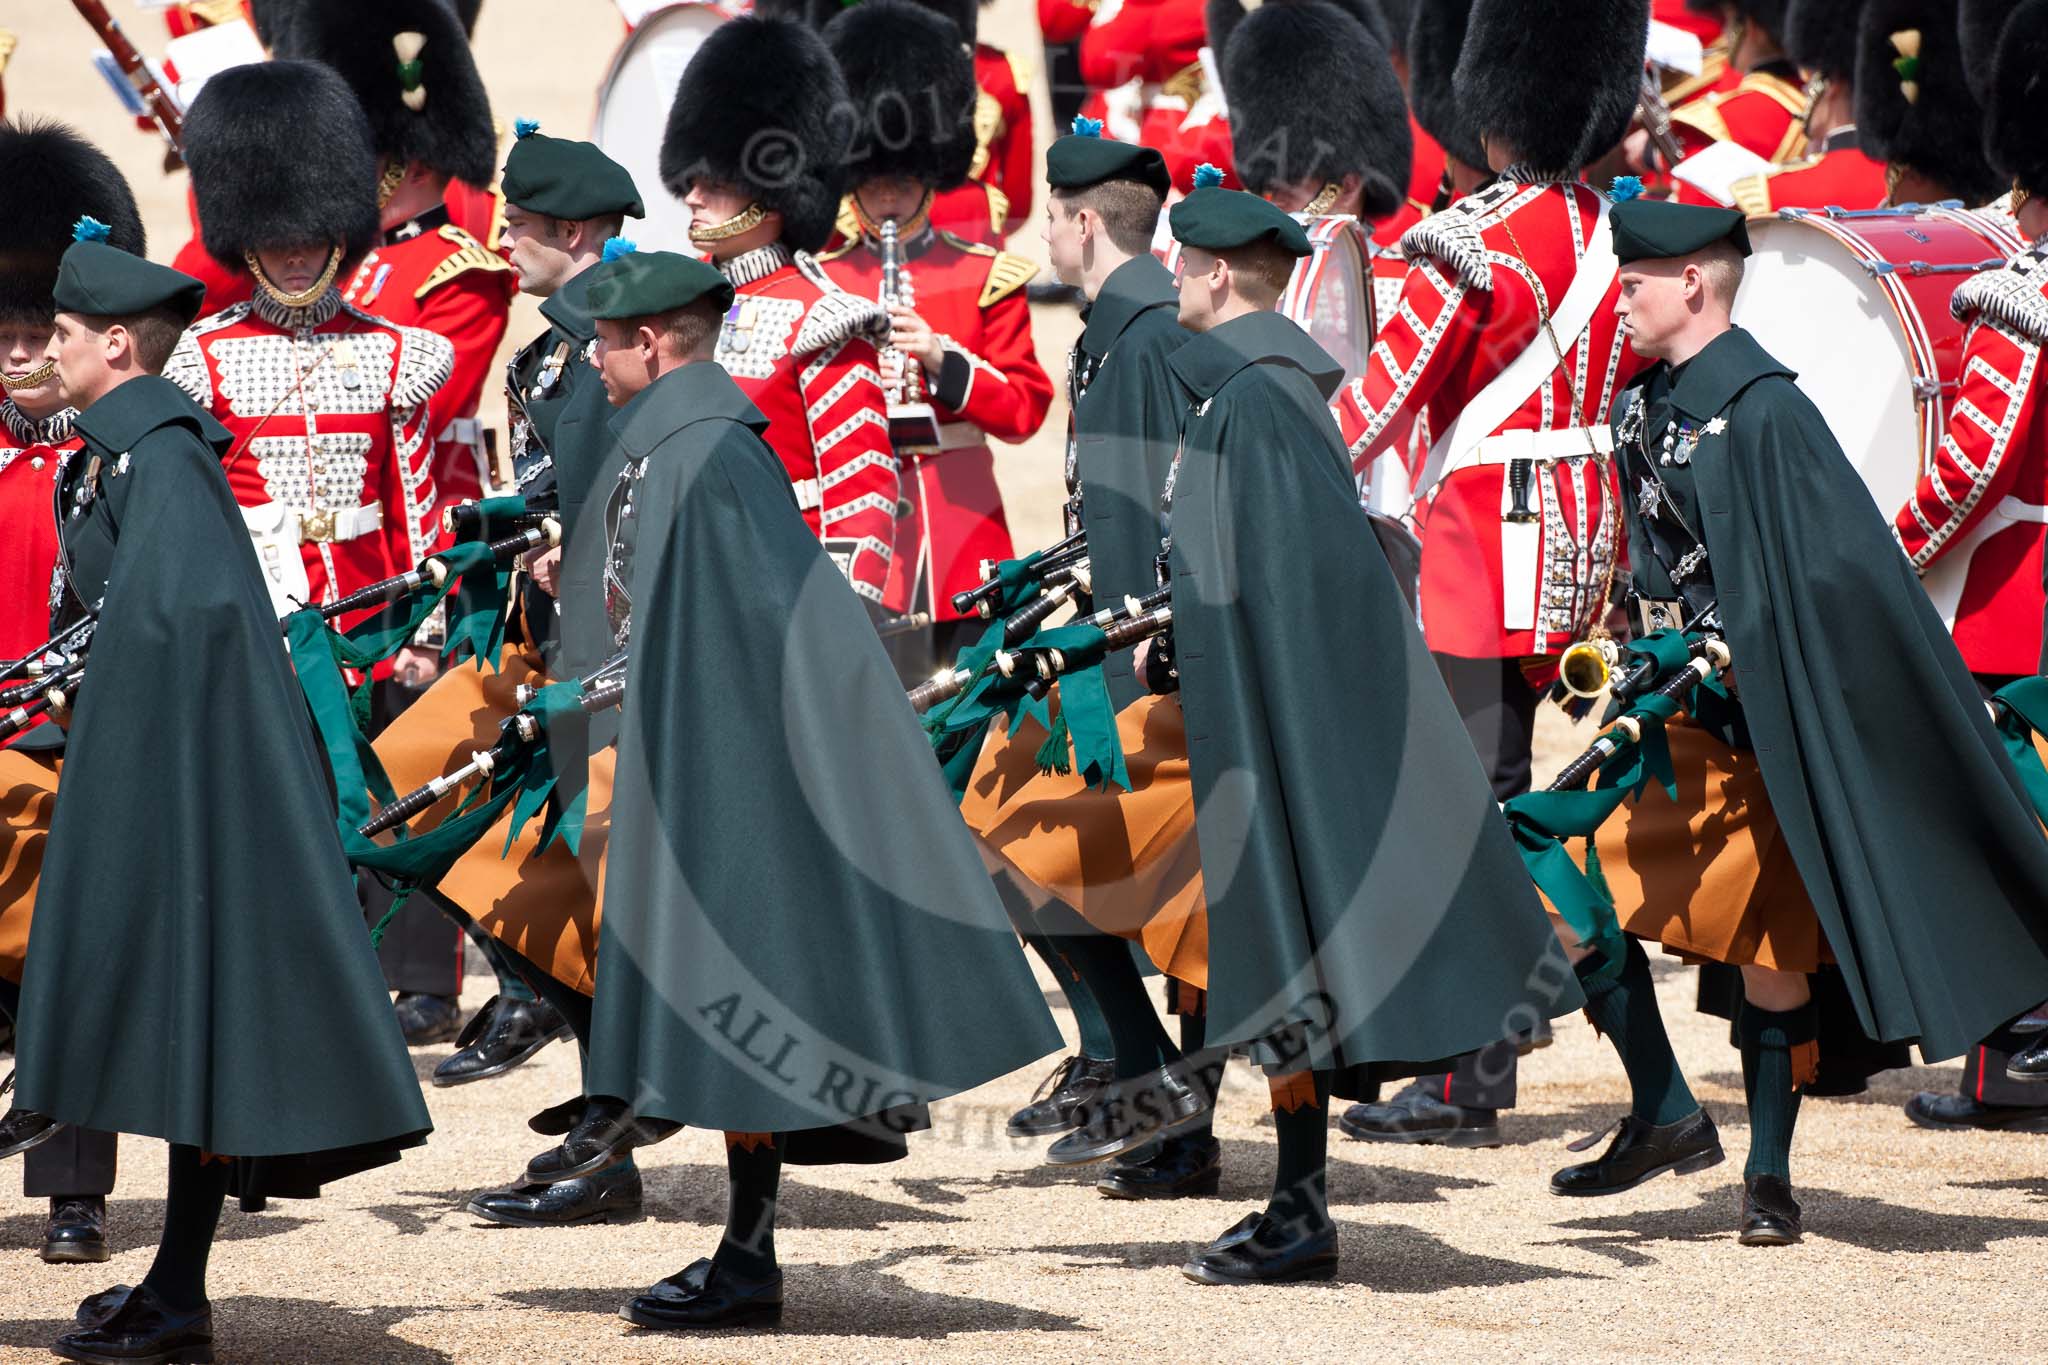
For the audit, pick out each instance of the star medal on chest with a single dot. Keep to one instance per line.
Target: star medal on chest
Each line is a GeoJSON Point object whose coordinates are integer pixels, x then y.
{"type": "Point", "coordinates": [738, 332]}
{"type": "Point", "coordinates": [1650, 499]}
{"type": "Point", "coordinates": [1680, 441]}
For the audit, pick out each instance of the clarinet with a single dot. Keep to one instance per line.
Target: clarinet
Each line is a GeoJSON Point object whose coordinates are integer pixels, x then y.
{"type": "Point", "coordinates": [1709, 656]}
{"type": "Point", "coordinates": [163, 106]}
{"type": "Point", "coordinates": [433, 571]}
{"type": "Point", "coordinates": [1655, 116]}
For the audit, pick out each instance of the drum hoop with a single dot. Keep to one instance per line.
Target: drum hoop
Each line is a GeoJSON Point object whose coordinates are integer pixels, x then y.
{"type": "Point", "coordinates": [631, 44]}
{"type": "Point", "coordinates": [1332, 232]}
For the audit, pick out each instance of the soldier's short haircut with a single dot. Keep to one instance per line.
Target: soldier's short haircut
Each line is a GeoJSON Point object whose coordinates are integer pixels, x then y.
{"type": "Point", "coordinates": [1128, 209]}
{"type": "Point", "coordinates": [1260, 271]}
{"type": "Point", "coordinates": [693, 330]}
{"type": "Point", "coordinates": [607, 226]}
{"type": "Point", "coordinates": [1722, 266]}
{"type": "Point", "coordinates": [153, 334]}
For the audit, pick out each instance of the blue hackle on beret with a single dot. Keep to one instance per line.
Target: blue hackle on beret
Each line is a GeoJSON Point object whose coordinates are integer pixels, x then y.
{"type": "Point", "coordinates": [1625, 188]}
{"type": "Point", "coordinates": [1087, 127]}
{"type": "Point", "coordinates": [525, 127]}
{"type": "Point", "coordinates": [1208, 176]}
{"type": "Point", "coordinates": [617, 247]}
{"type": "Point", "coordinates": [90, 229]}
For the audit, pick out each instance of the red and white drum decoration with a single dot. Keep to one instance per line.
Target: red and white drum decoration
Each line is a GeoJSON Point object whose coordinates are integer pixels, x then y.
{"type": "Point", "coordinates": [1858, 304]}
{"type": "Point", "coordinates": [632, 111]}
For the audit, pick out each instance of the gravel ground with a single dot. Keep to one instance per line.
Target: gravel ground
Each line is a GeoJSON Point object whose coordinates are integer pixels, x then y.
{"type": "Point", "coordinates": [972, 1249]}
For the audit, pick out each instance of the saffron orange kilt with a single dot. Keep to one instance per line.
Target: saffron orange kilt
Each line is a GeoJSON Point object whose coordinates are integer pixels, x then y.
{"type": "Point", "coordinates": [1126, 861]}
{"type": "Point", "coordinates": [1709, 876]}
{"type": "Point", "coordinates": [28, 793]}
{"type": "Point", "coordinates": [543, 906]}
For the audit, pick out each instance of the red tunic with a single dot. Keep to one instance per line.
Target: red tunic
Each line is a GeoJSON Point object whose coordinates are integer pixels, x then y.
{"type": "Point", "coordinates": [803, 350]}
{"type": "Point", "coordinates": [1679, 14]}
{"type": "Point", "coordinates": [990, 385]}
{"type": "Point", "coordinates": [1425, 178]}
{"type": "Point", "coordinates": [182, 19]}
{"type": "Point", "coordinates": [329, 408]}
{"type": "Point", "coordinates": [1063, 21]}
{"type": "Point", "coordinates": [433, 275]}
{"type": "Point", "coordinates": [1141, 60]}
{"type": "Point", "coordinates": [1002, 132]}
{"type": "Point", "coordinates": [1841, 177]}
{"type": "Point", "coordinates": [1765, 113]}
{"type": "Point", "coordinates": [1467, 309]}
{"type": "Point", "coordinates": [1987, 495]}
{"type": "Point", "coordinates": [32, 455]}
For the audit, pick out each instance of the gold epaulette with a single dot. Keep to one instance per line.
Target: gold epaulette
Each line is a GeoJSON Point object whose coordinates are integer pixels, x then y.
{"type": "Point", "coordinates": [215, 12]}
{"type": "Point", "coordinates": [988, 126]}
{"type": "Point", "coordinates": [1752, 194]}
{"type": "Point", "coordinates": [1020, 71]}
{"type": "Point", "coordinates": [847, 242]}
{"type": "Point", "coordinates": [847, 224]}
{"type": "Point", "coordinates": [1006, 275]}
{"type": "Point", "coordinates": [1713, 66]}
{"type": "Point", "coordinates": [998, 208]}
{"type": "Point", "coordinates": [7, 45]}
{"type": "Point", "coordinates": [1188, 83]}
{"type": "Point", "coordinates": [470, 254]}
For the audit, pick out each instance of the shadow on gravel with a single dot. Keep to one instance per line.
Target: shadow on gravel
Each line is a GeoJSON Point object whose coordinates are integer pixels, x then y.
{"type": "Point", "coordinates": [1830, 1216]}
{"type": "Point", "coordinates": [280, 1330]}
{"type": "Point", "coordinates": [696, 1193]}
{"type": "Point", "coordinates": [857, 1300]}
{"type": "Point", "coordinates": [1888, 1088]}
{"type": "Point", "coordinates": [137, 1222]}
{"type": "Point", "coordinates": [2034, 1187]}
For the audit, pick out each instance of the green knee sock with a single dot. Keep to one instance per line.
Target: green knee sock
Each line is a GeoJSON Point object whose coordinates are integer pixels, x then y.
{"type": "Point", "coordinates": [1769, 1039]}
{"type": "Point", "coordinates": [753, 1167]}
{"type": "Point", "coordinates": [1094, 1029]}
{"type": "Point", "coordinates": [1625, 1009]}
{"type": "Point", "coordinates": [1104, 966]}
{"type": "Point", "coordinates": [1301, 1122]}
{"type": "Point", "coordinates": [198, 1187]}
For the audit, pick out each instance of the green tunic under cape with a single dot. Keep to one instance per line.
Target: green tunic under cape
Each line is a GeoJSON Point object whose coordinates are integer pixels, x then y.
{"type": "Point", "coordinates": [1361, 881]}
{"type": "Point", "coordinates": [1909, 825]}
{"type": "Point", "coordinates": [798, 931]}
{"type": "Point", "coordinates": [200, 972]}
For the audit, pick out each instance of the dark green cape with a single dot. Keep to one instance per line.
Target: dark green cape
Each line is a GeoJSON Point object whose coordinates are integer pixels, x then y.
{"type": "Point", "coordinates": [797, 928]}
{"type": "Point", "coordinates": [1908, 823]}
{"type": "Point", "coordinates": [1125, 426]}
{"type": "Point", "coordinates": [200, 970]}
{"type": "Point", "coordinates": [1359, 875]}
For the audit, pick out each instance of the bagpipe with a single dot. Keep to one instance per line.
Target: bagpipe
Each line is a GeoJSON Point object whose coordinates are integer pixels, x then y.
{"type": "Point", "coordinates": [50, 675]}
{"type": "Point", "coordinates": [1664, 672]}
{"type": "Point", "coordinates": [538, 531]}
{"type": "Point", "coordinates": [1035, 667]}
{"type": "Point", "coordinates": [1004, 585]}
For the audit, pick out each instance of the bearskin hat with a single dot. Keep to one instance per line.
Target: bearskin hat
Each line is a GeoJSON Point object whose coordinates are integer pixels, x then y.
{"type": "Point", "coordinates": [1820, 35]}
{"type": "Point", "coordinates": [911, 82]}
{"type": "Point", "coordinates": [1312, 96]}
{"type": "Point", "coordinates": [1434, 41]}
{"type": "Point", "coordinates": [1768, 15]}
{"type": "Point", "coordinates": [280, 155]}
{"type": "Point", "coordinates": [761, 106]}
{"type": "Point", "coordinates": [2016, 112]}
{"type": "Point", "coordinates": [274, 19]}
{"type": "Point", "coordinates": [1221, 18]}
{"type": "Point", "coordinates": [71, 179]}
{"type": "Point", "coordinates": [1556, 79]}
{"type": "Point", "coordinates": [1398, 17]}
{"type": "Point", "coordinates": [1981, 21]}
{"type": "Point", "coordinates": [410, 65]}
{"type": "Point", "coordinates": [1913, 106]}
{"type": "Point", "coordinates": [467, 11]}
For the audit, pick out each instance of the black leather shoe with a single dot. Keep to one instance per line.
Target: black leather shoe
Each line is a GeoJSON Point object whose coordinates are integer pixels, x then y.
{"type": "Point", "coordinates": [1641, 1150]}
{"type": "Point", "coordinates": [1951, 1112]}
{"type": "Point", "coordinates": [2034, 1020]}
{"type": "Point", "coordinates": [1259, 1250]}
{"type": "Point", "coordinates": [2029, 1063]}
{"type": "Point", "coordinates": [1541, 1036]}
{"type": "Point", "coordinates": [559, 1119]}
{"type": "Point", "coordinates": [706, 1295]}
{"type": "Point", "coordinates": [606, 1133]}
{"type": "Point", "coordinates": [77, 1231]}
{"type": "Point", "coordinates": [97, 1308]}
{"type": "Point", "coordinates": [610, 1196]}
{"type": "Point", "coordinates": [21, 1129]}
{"type": "Point", "coordinates": [1770, 1215]}
{"type": "Point", "coordinates": [1132, 1112]}
{"type": "Point", "coordinates": [1176, 1168]}
{"type": "Point", "coordinates": [428, 1019]}
{"type": "Point", "coordinates": [498, 1037]}
{"type": "Point", "coordinates": [143, 1330]}
{"type": "Point", "coordinates": [1063, 1098]}
{"type": "Point", "coordinates": [1416, 1115]}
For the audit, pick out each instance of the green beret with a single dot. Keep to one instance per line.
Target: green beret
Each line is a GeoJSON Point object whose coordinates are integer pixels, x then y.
{"type": "Point", "coordinates": [1216, 219]}
{"type": "Point", "coordinates": [564, 179]}
{"type": "Point", "coordinates": [1652, 229]}
{"type": "Point", "coordinates": [1085, 157]}
{"type": "Point", "coordinates": [642, 284]}
{"type": "Point", "coordinates": [101, 281]}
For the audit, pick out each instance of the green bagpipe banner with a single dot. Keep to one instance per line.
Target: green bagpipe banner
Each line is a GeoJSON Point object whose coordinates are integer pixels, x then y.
{"type": "Point", "coordinates": [1543, 821]}
{"type": "Point", "coordinates": [475, 593]}
{"type": "Point", "coordinates": [1084, 730]}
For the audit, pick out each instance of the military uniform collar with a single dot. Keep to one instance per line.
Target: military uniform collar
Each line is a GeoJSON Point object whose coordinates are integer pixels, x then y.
{"type": "Point", "coordinates": [1207, 362]}
{"type": "Point", "coordinates": [268, 307]}
{"type": "Point", "coordinates": [757, 264]}
{"type": "Point", "coordinates": [132, 410]}
{"type": "Point", "coordinates": [36, 431]}
{"type": "Point", "coordinates": [568, 308]}
{"type": "Point", "coordinates": [680, 398]}
{"type": "Point", "coordinates": [1136, 285]}
{"type": "Point", "coordinates": [1728, 364]}
{"type": "Point", "coordinates": [433, 218]}
{"type": "Point", "coordinates": [1843, 139]}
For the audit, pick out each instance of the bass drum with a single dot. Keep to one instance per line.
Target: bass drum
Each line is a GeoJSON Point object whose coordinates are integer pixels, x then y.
{"type": "Point", "coordinates": [632, 111]}
{"type": "Point", "coordinates": [1858, 304]}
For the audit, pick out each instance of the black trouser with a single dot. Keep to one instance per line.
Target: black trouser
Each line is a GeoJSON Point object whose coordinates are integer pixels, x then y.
{"type": "Point", "coordinates": [1984, 1078]}
{"type": "Point", "coordinates": [1498, 707]}
{"type": "Point", "coordinates": [77, 1160]}
{"type": "Point", "coordinates": [421, 952]}
{"type": "Point", "coordinates": [1069, 91]}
